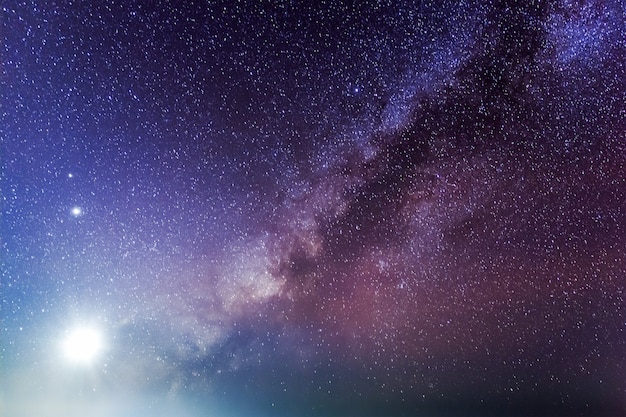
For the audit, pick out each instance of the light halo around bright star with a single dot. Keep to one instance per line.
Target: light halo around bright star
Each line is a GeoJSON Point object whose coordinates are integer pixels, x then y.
{"type": "Point", "coordinates": [82, 345]}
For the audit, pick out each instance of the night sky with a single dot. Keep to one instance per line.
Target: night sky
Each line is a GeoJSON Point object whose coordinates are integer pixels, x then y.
{"type": "Point", "coordinates": [313, 208]}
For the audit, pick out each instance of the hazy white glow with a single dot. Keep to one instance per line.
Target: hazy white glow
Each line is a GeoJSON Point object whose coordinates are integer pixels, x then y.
{"type": "Point", "coordinates": [77, 211]}
{"type": "Point", "coordinates": [82, 345]}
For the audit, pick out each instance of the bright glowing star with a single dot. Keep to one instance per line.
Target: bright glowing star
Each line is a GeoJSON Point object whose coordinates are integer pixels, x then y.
{"type": "Point", "coordinates": [82, 345]}
{"type": "Point", "coordinates": [70, 175]}
{"type": "Point", "coordinates": [77, 211]}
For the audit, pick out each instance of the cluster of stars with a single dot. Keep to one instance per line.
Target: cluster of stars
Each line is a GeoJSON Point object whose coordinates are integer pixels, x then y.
{"type": "Point", "coordinates": [294, 208]}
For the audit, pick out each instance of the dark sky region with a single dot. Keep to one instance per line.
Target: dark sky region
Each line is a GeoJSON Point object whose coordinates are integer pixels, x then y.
{"type": "Point", "coordinates": [313, 208]}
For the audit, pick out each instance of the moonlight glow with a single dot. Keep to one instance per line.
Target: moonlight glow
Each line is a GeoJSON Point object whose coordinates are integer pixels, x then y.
{"type": "Point", "coordinates": [82, 345]}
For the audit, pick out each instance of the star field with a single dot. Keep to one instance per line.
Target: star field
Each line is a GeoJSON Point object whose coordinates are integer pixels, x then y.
{"type": "Point", "coordinates": [287, 208]}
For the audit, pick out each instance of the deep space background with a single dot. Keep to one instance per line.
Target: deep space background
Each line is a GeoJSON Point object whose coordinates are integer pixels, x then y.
{"type": "Point", "coordinates": [314, 208]}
